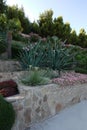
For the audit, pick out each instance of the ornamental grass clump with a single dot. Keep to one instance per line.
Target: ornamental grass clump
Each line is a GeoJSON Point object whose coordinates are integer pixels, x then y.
{"type": "Point", "coordinates": [7, 114]}
{"type": "Point", "coordinates": [34, 78]}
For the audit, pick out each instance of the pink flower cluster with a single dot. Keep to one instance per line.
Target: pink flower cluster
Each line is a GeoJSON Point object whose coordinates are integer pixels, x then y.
{"type": "Point", "coordinates": [71, 78]}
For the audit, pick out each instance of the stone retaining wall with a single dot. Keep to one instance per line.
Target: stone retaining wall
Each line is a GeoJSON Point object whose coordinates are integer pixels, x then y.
{"type": "Point", "coordinates": [9, 66]}
{"type": "Point", "coordinates": [41, 102]}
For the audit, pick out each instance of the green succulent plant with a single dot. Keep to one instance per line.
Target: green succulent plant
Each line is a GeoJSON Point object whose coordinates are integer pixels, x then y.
{"type": "Point", "coordinates": [34, 78]}
{"type": "Point", "coordinates": [31, 56]}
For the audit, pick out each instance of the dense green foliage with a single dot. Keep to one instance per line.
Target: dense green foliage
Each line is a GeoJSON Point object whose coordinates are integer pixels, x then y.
{"type": "Point", "coordinates": [16, 48]}
{"type": "Point", "coordinates": [45, 26]}
{"type": "Point", "coordinates": [2, 42]}
{"type": "Point", "coordinates": [47, 52]}
{"type": "Point", "coordinates": [54, 54]}
{"type": "Point", "coordinates": [58, 57]}
{"type": "Point", "coordinates": [51, 54]}
{"type": "Point", "coordinates": [3, 22]}
{"type": "Point", "coordinates": [2, 6]}
{"type": "Point", "coordinates": [13, 12]}
{"type": "Point", "coordinates": [7, 114]}
{"type": "Point", "coordinates": [81, 59]}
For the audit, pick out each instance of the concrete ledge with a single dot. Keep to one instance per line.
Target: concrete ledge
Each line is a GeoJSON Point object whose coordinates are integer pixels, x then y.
{"type": "Point", "coordinates": [14, 98]}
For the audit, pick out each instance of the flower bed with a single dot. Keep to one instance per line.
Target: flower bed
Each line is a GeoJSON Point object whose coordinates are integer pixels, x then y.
{"type": "Point", "coordinates": [70, 78]}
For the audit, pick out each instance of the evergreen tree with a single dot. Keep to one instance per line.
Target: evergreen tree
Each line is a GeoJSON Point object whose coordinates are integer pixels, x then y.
{"type": "Point", "coordinates": [82, 38]}
{"type": "Point", "coordinates": [2, 6]}
{"type": "Point", "coordinates": [13, 12]}
{"type": "Point", "coordinates": [58, 26]}
{"type": "Point", "coordinates": [66, 32]}
{"type": "Point", "coordinates": [73, 39]}
{"type": "Point", "coordinates": [46, 23]}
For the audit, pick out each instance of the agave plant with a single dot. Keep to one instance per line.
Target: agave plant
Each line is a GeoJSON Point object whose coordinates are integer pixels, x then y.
{"type": "Point", "coordinates": [59, 57]}
{"type": "Point", "coordinates": [52, 54]}
{"type": "Point", "coordinates": [32, 56]}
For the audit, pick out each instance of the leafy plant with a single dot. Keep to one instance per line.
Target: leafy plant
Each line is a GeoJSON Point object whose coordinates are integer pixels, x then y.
{"type": "Point", "coordinates": [3, 22]}
{"type": "Point", "coordinates": [58, 57]}
{"type": "Point", "coordinates": [7, 114]}
{"type": "Point", "coordinates": [20, 37]}
{"type": "Point", "coordinates": [52, 54]}
{"type": "Point", "coordinates": [16, 48]}
{"type": "Point", "coordinates": [34, 78]}
{"type": "Point", "coordinates": [32, 55]}
{"type": "Point", "coordinates": [81, 58]}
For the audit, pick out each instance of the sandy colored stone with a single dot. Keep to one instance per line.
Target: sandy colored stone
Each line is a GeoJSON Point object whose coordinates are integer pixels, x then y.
{"type": "Point", "coordinates": [75, 100]}
{"type": "Point", "coordinates": [58, 107]}
{"type": "Point", "coordinates": [27, 115]}
{"type": "Point", "coordinates": [45, 98]}
{"type": "Point", "coordinates": [44, 101]}
{"type": "Point", "coordinates": [38, 109]}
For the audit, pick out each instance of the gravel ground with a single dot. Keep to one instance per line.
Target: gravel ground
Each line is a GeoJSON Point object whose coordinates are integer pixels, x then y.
{"type": "Point", "coordinates": [70, 78]}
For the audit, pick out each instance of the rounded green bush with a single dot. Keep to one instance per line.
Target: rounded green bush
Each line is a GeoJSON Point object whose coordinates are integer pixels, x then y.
{"type": "Point", "coordinates": [7, 114]}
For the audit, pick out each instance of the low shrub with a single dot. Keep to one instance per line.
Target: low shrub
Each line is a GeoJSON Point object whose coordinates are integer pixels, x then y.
{"type": "Point", "coordinates": [81, 59]}
{"type": "Point", "coordinates": [7, 114]}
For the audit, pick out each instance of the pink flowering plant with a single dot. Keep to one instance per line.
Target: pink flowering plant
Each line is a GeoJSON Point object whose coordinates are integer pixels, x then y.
{"type": "Point", "coordinates": [70, 78]}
